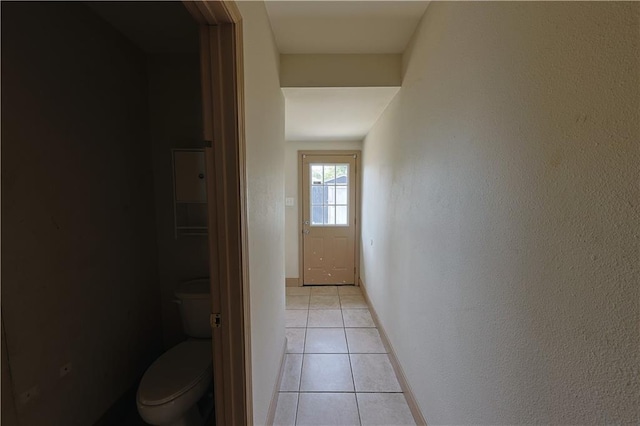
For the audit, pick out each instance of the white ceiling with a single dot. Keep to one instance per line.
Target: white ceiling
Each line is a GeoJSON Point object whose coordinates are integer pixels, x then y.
{"type": "Point", "coordinates": [344, 113]}
{"type": "Point", "coordinates": [340, 27]}
{"type": "Point", "coordinates": [361, 27]}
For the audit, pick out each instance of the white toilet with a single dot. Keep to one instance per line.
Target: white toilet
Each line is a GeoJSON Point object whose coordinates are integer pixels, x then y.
{"type": "Point", "coordinates": [171, 388]}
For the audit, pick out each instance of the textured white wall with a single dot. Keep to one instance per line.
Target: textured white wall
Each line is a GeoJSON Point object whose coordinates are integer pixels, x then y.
{"type": "Point", "coordinates": [264, 112]}
{"type": "Point", "coordinates": [292, 222]}
{"type": "Point", "coordinates": [501, 195]}
{"type": "Point", "coordinates": [340, 70]}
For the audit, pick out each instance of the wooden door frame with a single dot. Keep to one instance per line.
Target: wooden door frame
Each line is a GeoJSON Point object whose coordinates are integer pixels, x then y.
{"type": "Point", "coordinates": [358, 188]}
{"type": "Point", "coordinates": [222, 72]}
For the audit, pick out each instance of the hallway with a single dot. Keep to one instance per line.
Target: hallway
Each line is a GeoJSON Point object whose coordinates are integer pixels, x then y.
{"type": "Point", "coordinates": [336, 371]}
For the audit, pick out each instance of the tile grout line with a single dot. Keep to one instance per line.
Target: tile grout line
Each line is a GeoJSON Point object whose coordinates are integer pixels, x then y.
{"type": "Point", "coordinates": [354, 385]}
{"type": "Point", "coordinates": [339, 353]}
{"type": "Point", "coordinates": [355, 393]}
{"type": "Point", "coordinates": [295, 418]}
{"type": "Point", "coordinates": [306, 324]}
{"type": "Point", "coordinates": [376, 392]}
{"type": "Point", "coordinates": [353, 379]}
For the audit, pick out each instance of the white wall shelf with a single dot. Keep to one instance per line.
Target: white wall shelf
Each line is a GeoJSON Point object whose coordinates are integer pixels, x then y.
{"type": "Point", "coordinates": [189, 192]}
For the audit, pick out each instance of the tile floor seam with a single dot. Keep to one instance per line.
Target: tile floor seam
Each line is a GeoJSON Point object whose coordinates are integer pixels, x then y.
{"type": "Point", "coordinates": [352, 375]}
{"type": "Point", "coordinates": [300, 380]}
{"type": "Point", "coordinates": [353, 379]}
{"type": "Point", "coordinates": [348, 349]}
{"type": "Point", "coordinates": [358, 407]}
{"type": "Point", "coordinates": [301, 367]}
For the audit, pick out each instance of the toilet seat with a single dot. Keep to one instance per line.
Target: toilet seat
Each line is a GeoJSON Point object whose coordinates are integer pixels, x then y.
{"type": "Point", "coordinates": [176, 372]}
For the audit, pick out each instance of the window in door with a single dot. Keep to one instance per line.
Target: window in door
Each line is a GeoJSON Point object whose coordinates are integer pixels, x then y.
{"type": "Point", "coordinates": [329, 194]}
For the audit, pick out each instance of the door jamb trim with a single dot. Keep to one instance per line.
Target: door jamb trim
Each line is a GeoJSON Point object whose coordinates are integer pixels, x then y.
{"type": "Point", "coordinates": [222, 70]}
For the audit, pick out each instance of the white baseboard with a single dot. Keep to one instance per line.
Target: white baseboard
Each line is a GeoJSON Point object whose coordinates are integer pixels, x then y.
{"type": "Point", "coordinates": [402, 379]}
{"type": "Point", "coordinates": [292, 282]}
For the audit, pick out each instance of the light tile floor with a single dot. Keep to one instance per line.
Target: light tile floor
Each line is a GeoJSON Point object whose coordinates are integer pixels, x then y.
{"type": "Point", "coordinates": [336, 370]}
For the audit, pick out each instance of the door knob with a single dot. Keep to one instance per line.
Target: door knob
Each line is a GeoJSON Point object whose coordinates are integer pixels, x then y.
{"type": "Point", "coordinates": [305, 231]}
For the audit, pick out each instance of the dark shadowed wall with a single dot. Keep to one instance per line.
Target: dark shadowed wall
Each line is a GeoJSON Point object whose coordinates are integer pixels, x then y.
{"type": "Point", "coordinates": [175, 117]}
{"type": "Point", "coordinates": [79, 260]}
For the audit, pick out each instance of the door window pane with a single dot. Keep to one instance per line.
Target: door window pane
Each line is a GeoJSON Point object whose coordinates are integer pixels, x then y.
{"type": "Point", "coordinates": [316, 215]}
{"type": "Point", "coordinates": [329, 196]}
{"type": "Point", "coordinates": [342, 174]}
{"type": "Point", "coordinates": [341, 215]}
{"type": "Point", "coordinates": [316, 175]}
{"type": "Point", "coordinates": [341, 195]}
{"type": "Point", "coordinates": [316, 195]}
{"type": "Point", "coordinates": [329, 174]}
{"type": "Point", "coordinates": [331, 215]}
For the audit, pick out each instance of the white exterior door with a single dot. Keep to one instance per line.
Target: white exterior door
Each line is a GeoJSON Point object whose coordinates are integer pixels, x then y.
{"type": "Point", "coordinates": [329, 185]}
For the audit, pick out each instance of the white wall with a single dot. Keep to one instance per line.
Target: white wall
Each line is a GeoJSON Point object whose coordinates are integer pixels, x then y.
{"type": "Point", "coordinates": [264, 113]}
{"type": "Point", "coordinates": [340, 70]}
{"type": "Point", "coordinates": [501, 192]}
{"type": "Point", "coordinates": [292, 225]}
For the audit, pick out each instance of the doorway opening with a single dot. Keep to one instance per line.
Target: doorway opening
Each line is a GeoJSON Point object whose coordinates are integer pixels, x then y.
{"type": "Point", "coordinates": [329, 217]}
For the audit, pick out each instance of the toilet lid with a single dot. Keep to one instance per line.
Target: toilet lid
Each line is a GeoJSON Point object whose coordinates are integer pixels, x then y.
{"type": "Point", "coordinates": [175, 372]}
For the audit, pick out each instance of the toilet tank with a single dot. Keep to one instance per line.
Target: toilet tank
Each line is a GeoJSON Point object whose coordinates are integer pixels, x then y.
{"type": "Point", "coordinates": [194, 301]}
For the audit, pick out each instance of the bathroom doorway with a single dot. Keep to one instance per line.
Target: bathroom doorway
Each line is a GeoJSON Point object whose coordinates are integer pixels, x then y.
{"type": "Point", "coordinates": [218, 47]}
